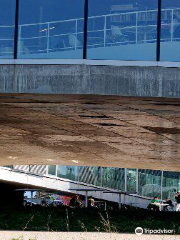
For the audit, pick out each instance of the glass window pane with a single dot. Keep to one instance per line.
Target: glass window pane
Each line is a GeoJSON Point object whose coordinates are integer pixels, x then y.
{"type": "Point", "coordinates": [122, 30]}
{"type": "Point", "coordinates": [150, 183]}
{"type": "Point", "coordinates": [90, 175]}
{"type": "Point", "coordinates": [9, 166]}
{"type": "Point", "coordinates": [113, 178]}
{"type": "Point", "coordinates": [170, 30]}
{"type": "Point", "coordinates": [131, 180]}
{"type": "Point", "coordinates": [68, 172]}
{"type": "Point", "coordinates": [171, 184]}
{"type": "Point", "coordinates": [52, 170]}
{"type": "Point", "coordinates": [54, 30]}
{"type": "Point", "coordinates": [7, 18]}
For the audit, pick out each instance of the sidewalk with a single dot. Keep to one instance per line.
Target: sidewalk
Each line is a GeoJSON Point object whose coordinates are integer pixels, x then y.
{"type": "Point", "coordinates": [79, 236]}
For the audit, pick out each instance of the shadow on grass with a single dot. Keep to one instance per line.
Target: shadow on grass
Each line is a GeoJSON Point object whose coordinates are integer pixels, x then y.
{"type": "Point", "coordinates": [85, 220]}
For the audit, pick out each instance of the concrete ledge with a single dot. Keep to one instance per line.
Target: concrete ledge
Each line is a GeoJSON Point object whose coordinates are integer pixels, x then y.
{"type": "Point", "coordinates": [80, 236]}
{"type": "Point", "coordinates": [89, 62]}
{"type": "Point", "coordinates": [90, 79]}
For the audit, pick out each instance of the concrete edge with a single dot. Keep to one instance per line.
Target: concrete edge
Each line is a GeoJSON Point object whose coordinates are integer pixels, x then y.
{"type": "Point", "coordinates": [89, 62]}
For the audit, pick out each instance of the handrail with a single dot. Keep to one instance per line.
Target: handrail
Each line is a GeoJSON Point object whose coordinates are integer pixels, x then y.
{"type": "Point", "coordinates": [46, 175]}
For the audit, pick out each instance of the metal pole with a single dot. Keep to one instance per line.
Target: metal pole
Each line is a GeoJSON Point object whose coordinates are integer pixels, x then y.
{"type": "Point", "coordinates": [76, 35]}
{"type": "Point", "coordinates": [125, 179]}
{"type": "Point", "coordinates": [85, 28]}
{"type": "Point", "coordinates": [119, 200]}
{"type": "Point", "coordinates": [105, 24]}
{"type": "Point", "coordinates": [19, 39]}
{"type": "Point", "coordinates": [78, 172]}
{"type": "Point", "coordinates": [146, 24]}
{"type": "Point", "coordinates": [31, 197]}
{"type": "Point", "coordinates": [16, 30]}
{"type": "Point", "coordinates": [136, 28]}
{"type": "Point", "coordinates": [86, 200]}
{"type": "Point", "coordinates": [101, 176]}
{"type": "Point", "coordinates": [137, 181]}
{"type": "Point", "coordinates": [48, 38]}
{"type": "Point", "coordinates": [158, 50]}
{"type": "Point", "coordinates": [56, 170]}
{"type": "Point", "coordinates": [162, 173]}
{"type": "Point", "coordinates": [172, 25]}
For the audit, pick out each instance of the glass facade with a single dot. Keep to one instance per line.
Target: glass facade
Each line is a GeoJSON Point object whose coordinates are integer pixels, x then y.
{"type": "Point", "coordinates": [67, 172]}
{"type": "Point", "coordinates": [170, 30]}
{"type": "Point", "coordinates": [171, 184]}
{"type": "Point", "coordinates": [7, 23]}
{"type": "Point", "coordinates": [131, 180]}
{"type": "Point", "coordinates": [122, 30]}
{"type": "Point", "coordinates": [146, 183]}
{"type": "Point", "coordinates": [54, 30]}
{"type": "Point", "coordinates": [116, 29]}
{"type": "Point", "coordinates": [150, 183]}
{"type": "Point", "coordinates": [90, 175]}
{"type": "Point", "coordinates": [52, 170]}
{"type": "Point", "coordinates": [113, 178]}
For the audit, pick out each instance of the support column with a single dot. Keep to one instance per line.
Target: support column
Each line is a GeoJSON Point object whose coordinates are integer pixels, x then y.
{"type": "Point", "coordinates": [162, 173]}
{"type": "Point", "coordinates": [86, 200]}
{"type": "Point", "coordinates": [137, 181]}
{"type": "Point", "coordinates": [125, 179]}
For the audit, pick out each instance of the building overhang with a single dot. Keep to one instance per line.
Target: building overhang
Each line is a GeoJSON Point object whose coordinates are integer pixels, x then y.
{"type": "Point", "coordinates": [90, 130]}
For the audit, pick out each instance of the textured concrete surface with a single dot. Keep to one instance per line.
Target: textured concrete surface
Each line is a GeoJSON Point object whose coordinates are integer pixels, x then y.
{"type": "Point", "coordinates": [80, 236]}
{"type": "Point", "coordinates": [90, 130]}
{"type": "Point", "coordinates": [87, 79]}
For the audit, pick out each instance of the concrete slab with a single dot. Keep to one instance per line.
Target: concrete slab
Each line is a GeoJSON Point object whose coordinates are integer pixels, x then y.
{"type": "Point", "coordinates": [90, 130]}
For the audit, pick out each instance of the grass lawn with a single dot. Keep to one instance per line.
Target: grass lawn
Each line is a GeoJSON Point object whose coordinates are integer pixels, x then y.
{"type": "Point", "coordinates": [67, 219]}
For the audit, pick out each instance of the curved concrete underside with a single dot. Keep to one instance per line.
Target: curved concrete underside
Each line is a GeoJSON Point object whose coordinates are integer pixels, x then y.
{"type": "Point", "coordinates": [90, 130]}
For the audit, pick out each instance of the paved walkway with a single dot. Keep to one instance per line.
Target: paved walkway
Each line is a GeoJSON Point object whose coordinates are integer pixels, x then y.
{"type": "Point", "coordinates": [79, 236]}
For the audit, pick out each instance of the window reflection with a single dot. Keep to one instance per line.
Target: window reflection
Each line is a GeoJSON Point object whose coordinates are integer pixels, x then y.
{"type": "Point", "coordinates": [170, 30]}
{"type": "Point", "coordinates": [122, 30]}
{"type": "Point", "coordinates": [90, 175]}
{"type": "Point", "coordinates": [7, 18]}
{"type": "Point", "coordinates": [131, 180]}
{"type": "Point", "coordinates": [52, 170]}
{"type": "Point", "coordinates": [117, 29]}
{"type": "Point", "coordinates": [54, 30]}
{"type": "Point", "coordinates": [150, 183]}
{"type": "Point", "coordinates": [147, 183]}
{"type": "Point", "coordinates": [171, 184]}
{"type": "Point", "coordinates": [113, 178]}
{"type": "Point", "coordinates": [68, 172]}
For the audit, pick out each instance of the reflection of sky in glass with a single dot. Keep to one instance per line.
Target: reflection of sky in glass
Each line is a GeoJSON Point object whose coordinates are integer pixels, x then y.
{"type": "Point", "coordinates": [7, 18]}
{"type": "Point", "coordinates": [27, 194]}
{"type": "Point", "coordinates": [7, 12]}
{"type": "Point", "coordinates": [147, 182]}
{"type": "Point", "coordinates": [50, 10]}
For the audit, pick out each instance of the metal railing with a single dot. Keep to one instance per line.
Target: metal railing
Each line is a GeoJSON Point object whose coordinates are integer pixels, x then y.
{"type": "Point", "coordinates": [7, 40]}
{"type": "Point", "coordinates": [141, 31]}
{"type": "Point", "coordinates": [90, 175]}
